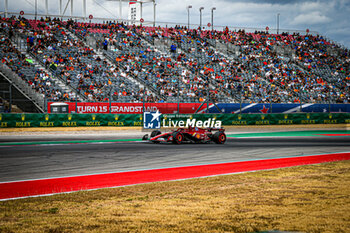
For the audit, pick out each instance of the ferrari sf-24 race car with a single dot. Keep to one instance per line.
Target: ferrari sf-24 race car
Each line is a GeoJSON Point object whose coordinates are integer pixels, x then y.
{"type": "Point", "coordinates": [190, 135]}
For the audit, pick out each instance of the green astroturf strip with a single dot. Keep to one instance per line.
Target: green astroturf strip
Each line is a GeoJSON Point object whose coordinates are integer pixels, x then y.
{"type": "Point", "coordinates": [289, 134]}
{"type": "Point", "coordinates": [66, 142]}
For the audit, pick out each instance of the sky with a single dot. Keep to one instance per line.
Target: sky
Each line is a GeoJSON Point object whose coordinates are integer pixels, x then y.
{"type": "Point", "coordinates": [330, 18]}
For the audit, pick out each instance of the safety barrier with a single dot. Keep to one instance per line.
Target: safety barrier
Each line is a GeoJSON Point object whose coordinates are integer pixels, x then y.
{"type": "Point", "coordinates": [8, 120]}
{"type": "Point", "coordinates": [190, 108]}
{"type": "Point", "coordinates": [266, 119]}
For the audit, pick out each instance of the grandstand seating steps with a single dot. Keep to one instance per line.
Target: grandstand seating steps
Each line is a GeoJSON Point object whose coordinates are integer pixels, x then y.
{"type": "Point", "coordinates": [202, 49]}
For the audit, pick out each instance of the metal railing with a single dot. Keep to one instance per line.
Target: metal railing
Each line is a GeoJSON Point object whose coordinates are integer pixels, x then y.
{"type": "Point", "coordinates": [37, 98]}
{"type": "Point", "coordinates": [53, 73]}
{"type": "Point", "coordinates": [20, 39]}
{"type": "Point", "coordinates": [154, 90]}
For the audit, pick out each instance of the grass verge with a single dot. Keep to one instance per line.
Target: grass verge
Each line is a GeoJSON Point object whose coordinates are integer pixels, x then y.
{"type": "Point", "coordinates": [313, 198]}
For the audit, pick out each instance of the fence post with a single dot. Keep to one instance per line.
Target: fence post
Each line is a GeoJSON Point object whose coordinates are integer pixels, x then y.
{"type": "Point", "coordinates": [10, 102]}
{"type": "Point", "coordinates": [329, 102]}
{"type": "Point", "coordinates": [240, 103]}
{"type": "Point", "coordinates": [45, 105]}
{"type": "Point", "coordinates": [110, 101]}
{"type": "Point", "coordinates": [76, 103]}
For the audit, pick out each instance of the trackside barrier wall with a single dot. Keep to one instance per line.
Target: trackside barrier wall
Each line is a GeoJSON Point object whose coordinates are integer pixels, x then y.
{"type": "Point", "coordinates": [8, 120]}
{"type": "Point", "coordinates": [190, 108]}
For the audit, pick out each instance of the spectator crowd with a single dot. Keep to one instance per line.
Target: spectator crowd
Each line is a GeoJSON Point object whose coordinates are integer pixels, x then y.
{"type": "Point", "coordinates": [129, 63]}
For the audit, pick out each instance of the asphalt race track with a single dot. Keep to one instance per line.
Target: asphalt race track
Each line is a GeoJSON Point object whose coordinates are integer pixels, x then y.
{"type": "Point", "coordinates": [27, 162]}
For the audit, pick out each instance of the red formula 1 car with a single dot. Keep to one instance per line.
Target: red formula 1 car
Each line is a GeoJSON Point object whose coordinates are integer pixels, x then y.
{"type": "Point", "coordinates": [190, 134]}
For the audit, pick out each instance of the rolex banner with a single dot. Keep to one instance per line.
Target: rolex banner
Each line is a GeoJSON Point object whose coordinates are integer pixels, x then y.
{"type": "Point", "coordinates": [8, 120]}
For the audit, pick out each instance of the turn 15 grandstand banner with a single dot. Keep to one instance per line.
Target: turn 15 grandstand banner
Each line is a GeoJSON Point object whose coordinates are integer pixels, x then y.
{"type": "Point", "coordinates": [190, 108]}
{"type": "Point", "coordinates": [129, 108]}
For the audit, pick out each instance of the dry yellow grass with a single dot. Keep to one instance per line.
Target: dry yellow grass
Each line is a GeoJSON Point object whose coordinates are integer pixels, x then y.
{"type": "Point", "coordinates": [313, 198]}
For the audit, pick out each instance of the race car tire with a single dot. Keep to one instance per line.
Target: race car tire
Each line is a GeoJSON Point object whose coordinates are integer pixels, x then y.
{"type": "Point", "coordinates": [155, 133]}
{"type": "Point", "coordinates": [177, 137]}
{"type": "Point", "coordinates": [219, 137]}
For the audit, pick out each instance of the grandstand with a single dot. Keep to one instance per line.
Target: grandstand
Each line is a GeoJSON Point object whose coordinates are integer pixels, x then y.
{"type": "Point", "coordinates": [53, 60]}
